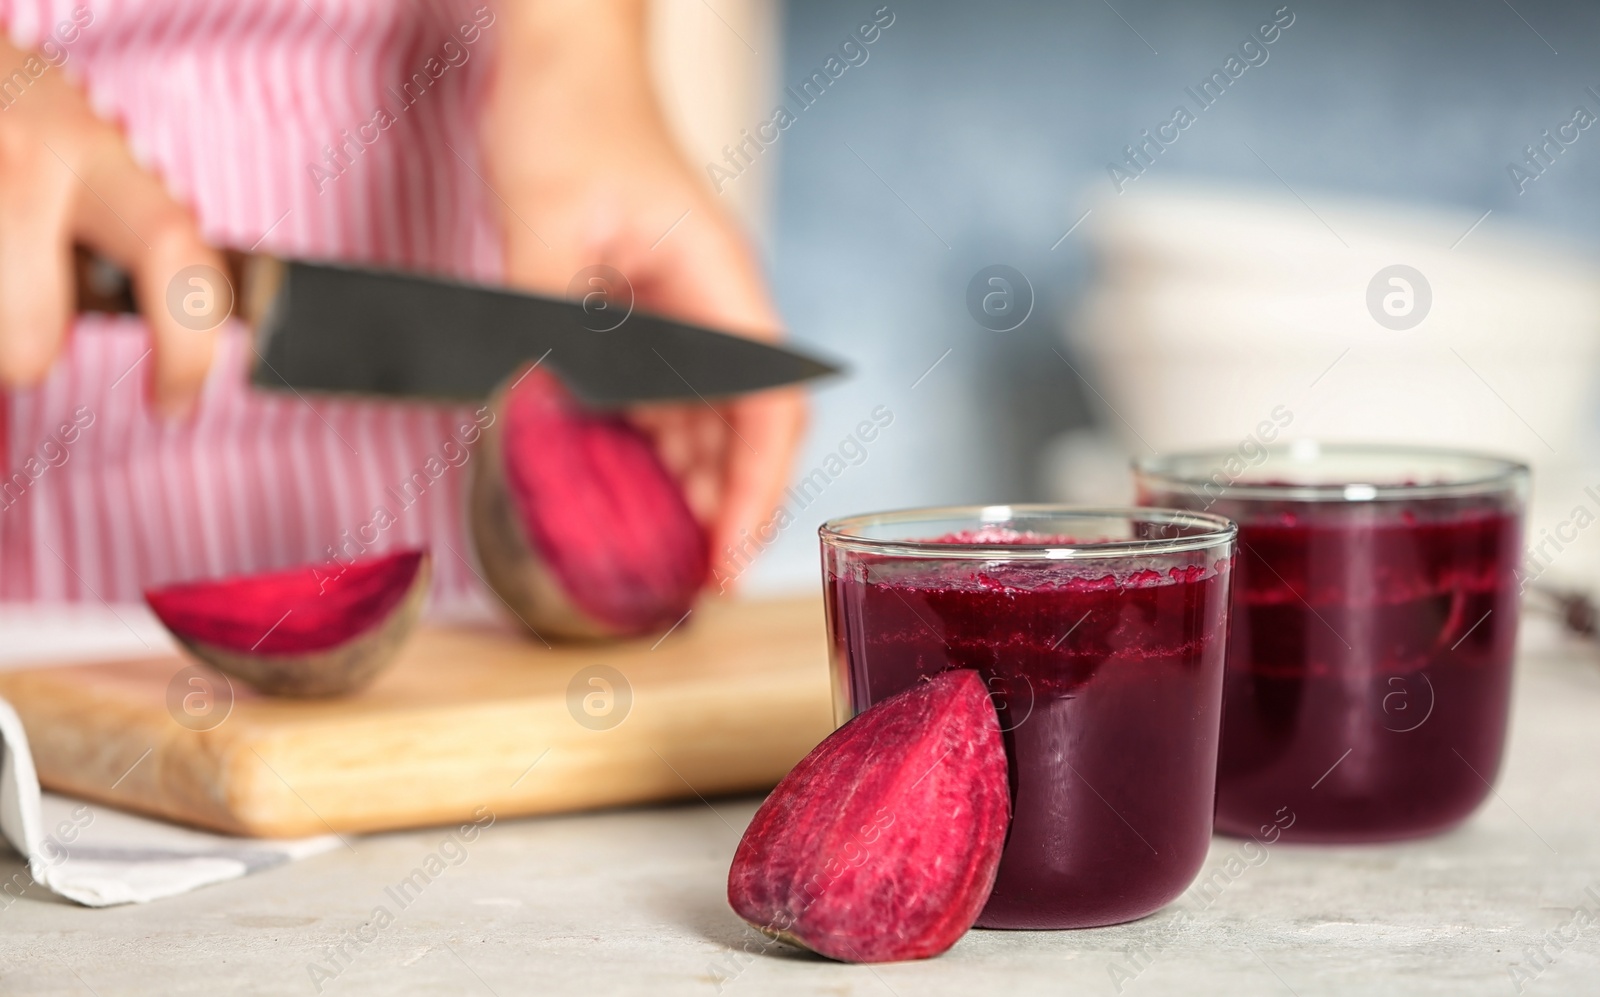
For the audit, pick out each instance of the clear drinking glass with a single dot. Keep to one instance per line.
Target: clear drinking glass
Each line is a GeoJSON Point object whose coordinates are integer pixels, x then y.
{"type": "Point", "coordinates": [1374, 614]}
{"type": "Point", "coordinates": [1101, 634]}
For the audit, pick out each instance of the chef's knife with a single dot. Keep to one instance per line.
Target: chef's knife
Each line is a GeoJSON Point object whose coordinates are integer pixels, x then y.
{"type": "Point", "coordinates": [324, 327]}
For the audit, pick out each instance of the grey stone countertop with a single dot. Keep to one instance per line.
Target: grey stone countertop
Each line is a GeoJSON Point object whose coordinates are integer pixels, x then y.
{"type": "Point", "coordinates": [632, 902]}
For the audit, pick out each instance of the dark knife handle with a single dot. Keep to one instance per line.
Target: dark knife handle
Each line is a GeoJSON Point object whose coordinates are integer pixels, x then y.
{"type": "Point", "coordinates": [102, 286]}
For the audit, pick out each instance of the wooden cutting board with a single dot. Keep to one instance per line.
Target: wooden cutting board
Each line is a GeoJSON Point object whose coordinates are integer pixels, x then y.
{"type": "Point", "coordinates": [467, 718]}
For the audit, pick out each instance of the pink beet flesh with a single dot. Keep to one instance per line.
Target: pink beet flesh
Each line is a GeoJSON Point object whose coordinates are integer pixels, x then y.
{"type": "Point", "coordinates": [882, 844]}
{"type": "Point", "coordinates": [601, 509]}
{"type": "Point", "coordinates": [301, 610]}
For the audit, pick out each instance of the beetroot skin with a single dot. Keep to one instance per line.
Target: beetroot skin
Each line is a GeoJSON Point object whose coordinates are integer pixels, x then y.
{"type": "Point", "coordinates": [307, 631]}
{"type": "Point", "coordinates": [579, 527]}
{"type": "Point", "coordinates": [882, 844]}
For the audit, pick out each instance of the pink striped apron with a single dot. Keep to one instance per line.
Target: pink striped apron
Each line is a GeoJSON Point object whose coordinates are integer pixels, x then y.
{"type": "Point", "coordinates": [253, 111]}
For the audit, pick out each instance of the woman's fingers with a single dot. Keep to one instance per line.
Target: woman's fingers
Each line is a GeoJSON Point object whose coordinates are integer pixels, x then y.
{"type": "Point", "coordinates": [704, 271]}
{"type": "Point", "coordinates": [179, 281]}
{"type": "Point", "coordinates": [709, 275]}
{"type": "Point", "coordinates": [35, 258]}
{"type": "Point", "coordinates": [768, 428]}
{"type": "Point", "coordinates": [68, 177]}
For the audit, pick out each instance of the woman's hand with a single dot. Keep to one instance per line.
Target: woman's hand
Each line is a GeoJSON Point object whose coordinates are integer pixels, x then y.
{"type": "Point", "coordinates": [587, 173]}
{"type": "Point", "coordinates": [67, 177]}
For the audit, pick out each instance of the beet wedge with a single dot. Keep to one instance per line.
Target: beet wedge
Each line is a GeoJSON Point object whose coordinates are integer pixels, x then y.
{"type": "Point", "coordinates": [883, 843]}
{"type": "Point", "coordinates": [308, 631]}
{"type": "Point", "coordinates": [578, 525]}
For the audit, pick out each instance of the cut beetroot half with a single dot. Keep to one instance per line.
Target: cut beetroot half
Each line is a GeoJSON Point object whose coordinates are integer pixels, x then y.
{"type": "Point", "coordinates": [579, 526]}
{"type": "Point", "coordinates": [883, 843]}
{"type": "Point", "coordinates": [314, 630]}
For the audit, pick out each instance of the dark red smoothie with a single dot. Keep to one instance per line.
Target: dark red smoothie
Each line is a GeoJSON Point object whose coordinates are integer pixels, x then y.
{"type": "Point", "coordinates": [1369, 661]}
{"type": "Point", "coordinates": [1107, 676]}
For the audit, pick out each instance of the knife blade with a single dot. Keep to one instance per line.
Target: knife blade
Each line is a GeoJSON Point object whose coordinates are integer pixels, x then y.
{"type": "Point", "coordinates": [335, 328]}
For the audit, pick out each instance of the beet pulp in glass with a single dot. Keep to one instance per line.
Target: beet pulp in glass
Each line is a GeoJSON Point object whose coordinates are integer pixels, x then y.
{"type": "Point", "coordinates": [1101, 633]}
{"type": "Point", "coordinates": [1374, 617]}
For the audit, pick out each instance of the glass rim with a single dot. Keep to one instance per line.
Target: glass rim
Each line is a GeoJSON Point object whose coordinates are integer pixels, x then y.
{"type": "Point", "coordinates": [1499, 473]}
{"type": "Point", "coordinates": [844, 532]}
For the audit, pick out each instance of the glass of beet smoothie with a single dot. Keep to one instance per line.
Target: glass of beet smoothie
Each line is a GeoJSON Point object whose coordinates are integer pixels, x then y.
{"type": "Point", "coordinates": [1101, 633]}
{"type": "Point", "coordinates": [1374, 613]}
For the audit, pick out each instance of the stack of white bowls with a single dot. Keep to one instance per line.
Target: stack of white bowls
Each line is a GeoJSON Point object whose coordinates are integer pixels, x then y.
{"type": "Point", "coordinates": [1214, 312]}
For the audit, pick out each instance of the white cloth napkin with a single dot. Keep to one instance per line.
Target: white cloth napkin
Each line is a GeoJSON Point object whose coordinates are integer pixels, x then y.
{"type": "Point", "coordinates": [99, 857]}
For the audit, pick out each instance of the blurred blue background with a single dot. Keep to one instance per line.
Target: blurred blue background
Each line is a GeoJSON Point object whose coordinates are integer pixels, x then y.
{"type": "Point", "coordinates": [977, 134]}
